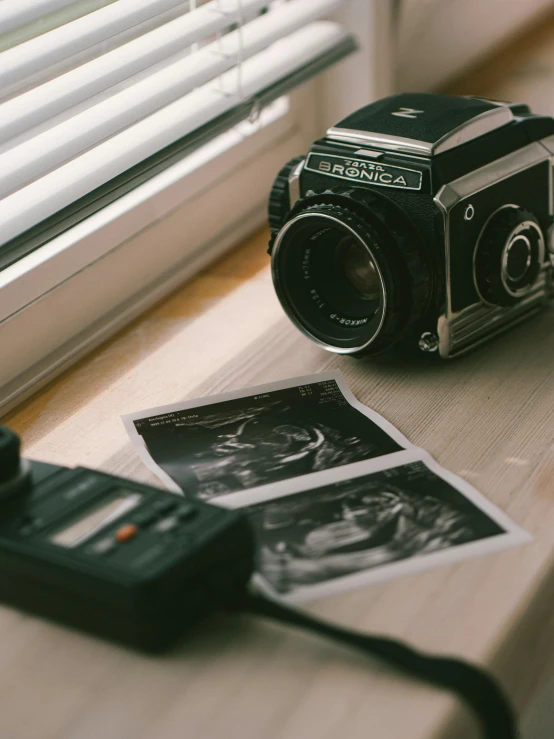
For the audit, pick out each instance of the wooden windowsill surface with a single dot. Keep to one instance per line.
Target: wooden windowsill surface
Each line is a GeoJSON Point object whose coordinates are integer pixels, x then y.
{"type": "Point", "coordinates": [486, 417]}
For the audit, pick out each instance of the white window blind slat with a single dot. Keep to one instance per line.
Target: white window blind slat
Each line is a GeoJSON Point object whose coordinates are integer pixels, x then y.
{"type": "Point", "coordinates": [33, 56]}
{"type": "Point", "coordinates": [21, 20]}
{"type": "Point", "coordinates": [45, 101]}
{"type": "Point", "coordinates": [59, 188]}
{"type": "Point", "coordinates": [15, 13]}
{"type": "Point", "coordinates": [40, 154]}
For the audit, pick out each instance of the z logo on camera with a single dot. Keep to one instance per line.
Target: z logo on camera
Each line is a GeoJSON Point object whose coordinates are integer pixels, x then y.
{"type": "Point", "coordinates": [358, 170]}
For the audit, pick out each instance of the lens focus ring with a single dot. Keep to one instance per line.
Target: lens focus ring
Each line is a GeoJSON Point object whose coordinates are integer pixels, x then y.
{"type": "Point", "coordinates": [343, 276]}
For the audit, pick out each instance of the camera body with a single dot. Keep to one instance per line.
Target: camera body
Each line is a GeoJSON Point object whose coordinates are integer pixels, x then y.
{"type": "Point", "coordinates": [420, 218]}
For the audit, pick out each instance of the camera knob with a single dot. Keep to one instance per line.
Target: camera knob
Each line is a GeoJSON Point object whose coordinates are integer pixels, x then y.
{"type": "Point", "coordinates": [509, 256]}
{"type": "Point", "coordinates": [279, 198]}
{"type": "Point", "coordinates": [14, 472]}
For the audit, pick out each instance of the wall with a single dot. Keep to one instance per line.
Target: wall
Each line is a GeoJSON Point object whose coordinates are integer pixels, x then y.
{"type": "Point", "coordinates": [439, 39]}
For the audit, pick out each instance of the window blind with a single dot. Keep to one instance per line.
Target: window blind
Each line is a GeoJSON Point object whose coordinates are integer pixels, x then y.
{"type": "Point", "coordinates": [71, 44]}
{"type": "Point", "coordinates": [20, 21]}
{"type": "Point", "coordinates": [134, 77]}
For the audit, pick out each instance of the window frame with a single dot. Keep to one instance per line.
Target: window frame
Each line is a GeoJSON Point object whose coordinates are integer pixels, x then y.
{"type": "Point", "coordinates": [68, 296]}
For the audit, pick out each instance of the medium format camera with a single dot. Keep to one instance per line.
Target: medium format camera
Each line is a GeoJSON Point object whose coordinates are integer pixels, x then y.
{"type": "Point", "coordinates": [419, 218]}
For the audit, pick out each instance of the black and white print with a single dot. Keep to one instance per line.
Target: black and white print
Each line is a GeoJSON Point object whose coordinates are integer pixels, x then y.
{"type": "Point", "coordinates": [265, 435]}
{"type": "Point", "coordinates": [371, 526]}
{"type": "Point", "coordinates": [338, 497]}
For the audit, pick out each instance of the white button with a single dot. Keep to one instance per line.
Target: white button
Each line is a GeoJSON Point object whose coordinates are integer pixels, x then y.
{"type": "Point", "coordinates": [167, 524]}
{"type": "Point", "coordinates": [103, 546]}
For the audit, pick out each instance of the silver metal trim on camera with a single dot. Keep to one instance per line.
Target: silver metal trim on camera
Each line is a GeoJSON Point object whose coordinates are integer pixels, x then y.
{"type": "Point", "coordinates": [380, 141]}
{"type": "Point", "coordinates": [479, 322]}
{"type": "Point", "coordinates": [461, 331]}
{"type": "Point", "coordinates": [514, 238]}
{"type": "Point", "coordinates": [358, 170]}
{"type": "Point", "coordinates": [285, 303]}
{"type": "Point", "coordinates": [478, 126]}
{"type": "Point", "coordinates": [294, 183]}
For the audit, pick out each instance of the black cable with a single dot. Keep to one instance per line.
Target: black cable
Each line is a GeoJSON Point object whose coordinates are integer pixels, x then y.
{"type": "Point", "coordinates": [478, 689]}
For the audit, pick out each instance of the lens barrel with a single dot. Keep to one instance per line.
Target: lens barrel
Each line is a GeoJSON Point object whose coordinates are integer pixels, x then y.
{"type": "Point", "coordinates": [347, 279]}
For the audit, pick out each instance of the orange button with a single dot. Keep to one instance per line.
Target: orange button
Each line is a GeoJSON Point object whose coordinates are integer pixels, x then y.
{"type": "Point", "coordinates": [126, 532]}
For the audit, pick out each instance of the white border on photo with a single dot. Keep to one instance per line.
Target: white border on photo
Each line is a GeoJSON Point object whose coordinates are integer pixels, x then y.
{"type": "Point", "coordinates": [513, 534]}
{"type": "Point", "coordinates": [185, 405]}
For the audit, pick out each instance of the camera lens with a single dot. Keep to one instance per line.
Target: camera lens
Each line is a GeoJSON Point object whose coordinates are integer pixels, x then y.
{"type": "Point", "coordinates": [342, 279]}
{"type": "Point", "coordinates": [328, 279]}
{"type": "Point", "coordinates": [359, 268]}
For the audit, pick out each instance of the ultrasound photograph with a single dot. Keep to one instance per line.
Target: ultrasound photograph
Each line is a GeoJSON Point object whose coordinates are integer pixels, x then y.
{"type": "Point", "coordinates": [212, 450]}
{"type": "Point", "coordinates": [370, 528]}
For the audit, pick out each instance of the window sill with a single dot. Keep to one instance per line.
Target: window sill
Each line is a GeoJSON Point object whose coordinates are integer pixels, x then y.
{"type": "Point", "coordinates": [82, 287]}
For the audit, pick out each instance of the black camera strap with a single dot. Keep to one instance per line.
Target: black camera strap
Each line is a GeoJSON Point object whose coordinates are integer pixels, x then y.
{"type": "Point", "coordinates": [478, 689]}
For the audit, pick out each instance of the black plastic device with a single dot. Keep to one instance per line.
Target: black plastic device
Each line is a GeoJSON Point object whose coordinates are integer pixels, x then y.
{"type": "Point", "coordinates": [114, 557]}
